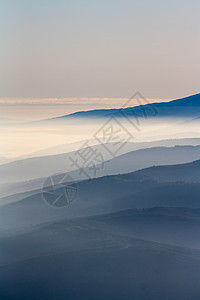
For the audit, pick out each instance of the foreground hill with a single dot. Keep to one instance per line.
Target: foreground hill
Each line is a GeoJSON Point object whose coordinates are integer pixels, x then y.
{"type": "Point", "coordinates": [145, 270]}
{"type": "Point", "coordinates": [106, 257]}
{"type": "Point", "coordinates": [177, 226]}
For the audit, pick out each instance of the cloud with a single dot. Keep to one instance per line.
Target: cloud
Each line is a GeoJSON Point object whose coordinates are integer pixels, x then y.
{"type": "Point", "coordinates": [69, 101]}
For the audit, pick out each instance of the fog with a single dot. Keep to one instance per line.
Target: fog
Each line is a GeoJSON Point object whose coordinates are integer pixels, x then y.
{"type": "Point", "coordinates": [21, 139]}
{"type": "Point", "coordinates": [123, 236]}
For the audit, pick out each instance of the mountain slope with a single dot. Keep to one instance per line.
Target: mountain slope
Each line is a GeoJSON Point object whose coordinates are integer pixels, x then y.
{"type": "Point", "coordinates": [99, 196]}
{"type": "Point", "coordinates": [27, 185]}
{"type": "Point", "coordinates": [103, 260]}
{"type": "Point", "coordinates": [33, 168]}
{"type": "Point", "coordinates": [37, 167]}
{"type": "Point", "coordinates": [182, 172]}
{"type": "Point", "coordinates": [140, 269]}
{"type": "Point", "coordinates": [169, 225]}
{"type": "Point", "coordinates": [185, 107]}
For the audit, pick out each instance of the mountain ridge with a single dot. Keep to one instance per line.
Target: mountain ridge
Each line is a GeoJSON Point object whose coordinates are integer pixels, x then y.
{"type": "Point", "coordinates": [156, 109]}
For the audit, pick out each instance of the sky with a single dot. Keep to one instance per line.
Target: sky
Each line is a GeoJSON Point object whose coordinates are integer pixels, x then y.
{"type": "Point", "coordinates": [99, 49]}
{"type": "Point", "coordinates": [42, 108]}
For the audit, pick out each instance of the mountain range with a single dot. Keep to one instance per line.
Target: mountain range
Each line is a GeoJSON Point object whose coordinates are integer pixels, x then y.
{"type": "Point", "coordinates": [129, 231]}
{"type": "Point", "coordinates": [134, 252]}
{"type": "Point", "coordinates": [44, 166]}
{"type": "Point", "coordinates": [184, 107]}
{"type": "Point", "coordinates": [105, 195]}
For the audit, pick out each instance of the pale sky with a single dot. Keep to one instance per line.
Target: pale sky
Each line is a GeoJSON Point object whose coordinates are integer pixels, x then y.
{"type": "Point", "coordinates": [71, 48]}
{"type": "Point", "coordinates": [42, 108]}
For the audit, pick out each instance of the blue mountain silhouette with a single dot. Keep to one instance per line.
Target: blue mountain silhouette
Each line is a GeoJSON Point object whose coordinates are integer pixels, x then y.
{"type": "Point", "coordinates": [184, 107]}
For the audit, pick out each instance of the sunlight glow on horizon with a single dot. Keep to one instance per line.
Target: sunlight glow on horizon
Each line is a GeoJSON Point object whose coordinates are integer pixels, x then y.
{"type": "Point", "coordinates": [40, 108]}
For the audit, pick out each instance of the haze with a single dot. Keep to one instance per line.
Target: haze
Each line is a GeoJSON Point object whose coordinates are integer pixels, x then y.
{"type": "Point", "coordinates": [99, 48]}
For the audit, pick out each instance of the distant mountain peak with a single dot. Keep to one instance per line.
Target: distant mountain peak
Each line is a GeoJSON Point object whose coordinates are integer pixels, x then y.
{"type": "Point", "coordinates": [185, 107]}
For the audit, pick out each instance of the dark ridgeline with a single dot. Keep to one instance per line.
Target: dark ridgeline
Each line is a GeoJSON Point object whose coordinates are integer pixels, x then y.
{"type": "Point", "coordinates": [185, 107]}
{"type": "Point", "coordinates": [128, 236]}
{"type": "Point", "coordinates": [147, 254]}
